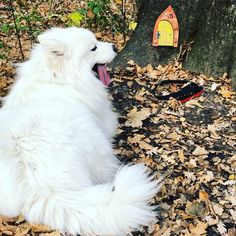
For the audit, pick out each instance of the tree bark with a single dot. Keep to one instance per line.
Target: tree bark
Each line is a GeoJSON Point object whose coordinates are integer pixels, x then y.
{"type": "Point", "coordinates": [210, 24]}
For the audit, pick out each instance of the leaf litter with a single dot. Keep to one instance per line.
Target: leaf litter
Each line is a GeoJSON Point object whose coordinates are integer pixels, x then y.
{"type": "Point", "coordinates": [194, 142]}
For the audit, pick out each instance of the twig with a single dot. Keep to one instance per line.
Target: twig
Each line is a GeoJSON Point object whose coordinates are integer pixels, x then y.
{"type": "Point", "coordinates": [50, 7]}
{"type": "Point", "coordinates": [28, 23]}
{"type": "Point", "coordinates": [17, 31]}
{"type": "Point", "coordinates": [124, 19]}
{"type": "Point", "coordinates": [184, 50]}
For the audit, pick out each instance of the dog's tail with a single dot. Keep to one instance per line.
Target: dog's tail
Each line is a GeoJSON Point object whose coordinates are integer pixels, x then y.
{"type": "Point", "coordinates": [112, 208]}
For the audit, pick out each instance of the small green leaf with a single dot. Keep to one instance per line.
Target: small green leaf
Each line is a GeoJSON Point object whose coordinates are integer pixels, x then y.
{"type": "Point", "coordinates": [96, 10]}
{"type": "Point", "coordinates": [5, 28]}
{"type": "Point", "coordinates": [91, 4]}
{"type": "Point", "coordinates": [76, 18]}
{"type": "Point", "coordinates": [82, 11]}
{"type": "Point", "coordinates": [132, 25]}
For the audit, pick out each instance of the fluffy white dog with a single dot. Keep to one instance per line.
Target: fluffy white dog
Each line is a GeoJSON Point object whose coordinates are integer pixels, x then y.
{"type": "Point", "coordinates": [56, 161]}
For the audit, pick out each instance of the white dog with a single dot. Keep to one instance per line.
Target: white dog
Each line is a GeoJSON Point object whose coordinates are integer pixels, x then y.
{"type": "Point", "coordinates": [56, 161]}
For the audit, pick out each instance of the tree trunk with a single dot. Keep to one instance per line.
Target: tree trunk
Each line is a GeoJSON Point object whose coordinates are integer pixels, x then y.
{"type": "Point", "coordinates": [210, 24]}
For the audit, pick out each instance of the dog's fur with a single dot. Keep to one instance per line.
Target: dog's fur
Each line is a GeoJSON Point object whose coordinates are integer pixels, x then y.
{"type": "Point", "coordinates": [56, 161]}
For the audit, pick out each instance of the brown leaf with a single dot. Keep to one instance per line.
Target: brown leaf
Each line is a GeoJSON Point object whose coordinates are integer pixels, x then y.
{"type": "Point", "coordinates": [135, 118]}
{"type": "Point", "coordinates": [181, 155]}
{"type": "Point", "coordinates": [231, 232]}
{"type": "Point", "coordinates": [22, 230]}
{"type": "Point", "coordinates": [54, 233]}
{"type": "Point", "coordinates": [221, 228]}
{"type": "Point", "coordinates": [199, 229]}
{"type": "Point", "coordinates": [37, 228]}
{"type": "Point", "coordinates": [144, 145]}
{"type": "Point", "coordinates": [136, 138]}
{"type": "Point", "coordinates": [149, 68]}
{"type": "Point", "coordinates": [226, 91]}
{"type": "Point", "coordinates": [193, 103]}
{"type": "Point", "coordinates": [203, 196]}
{"type": "Point", "coordinates": [199, 151]}
{"type": "Point", "coordinates": [218, 209]}
{"type": "Point", "coordinates": [174, 136]}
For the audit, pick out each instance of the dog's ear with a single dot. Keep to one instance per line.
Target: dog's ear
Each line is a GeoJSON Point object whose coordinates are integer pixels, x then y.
{"type": "Point", "coordinates": [55, 46]}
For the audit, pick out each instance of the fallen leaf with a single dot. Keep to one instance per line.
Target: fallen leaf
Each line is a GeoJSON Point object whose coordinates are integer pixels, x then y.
{"type": "Point", "coordinates": [90, 14]}
{"type": "Point", "coordinates": [193, 103]}
{"type": "Point", "coordinates": [181, 155]}
{"type": "Point", "coordinates": [192, 163]}
{"type": "Point", "coordinates": [213, 130]}
{"type": "Point", "coordinates": [203, 196]}
{"type": "Point", "coordinates": [231, 177]}
{"type": "Point", "coordinates": [153, 74]}
{"type": "Point", "coordinates": [39, 228]}
{"type": "Point", "coordinates": [199, 151]}
{"type": "Point", "coordinates": [54, 233]}
{"type": "Point", "coordinates": [190, 175]}
{"type": "Point", "coordinates": [199, 229]}
{"type": "Point", "coordinates": [210, 220]}
{"type": "Point", "coordinates": [221, 228]}
{"type": "Point", "coordinates": [118, 1]}
{"type": "Point", "coordinates": [131, 63]}
{"type": "Point", "coordinates": [149, 68]}
{"type": "Point", "coordinates": [75, 18]}
{"type": "Point", "coordinates": [233, 214]}
{"type": "Point", "coordinates": [174, 136]}
{"type": "Point", "coordinates": [231, 232]}
{"type": "Point", "coordinates": [226, 91]}
{"type": "Point", "coordinates": [214, 86]}
{"type": "Point", "coordinates": [218, 209]}
{"type": "Point", "coordinates": [136, 139]}
{"type": "Point", "coordinates": [206, 177]}
{"type": "Point", "coordinates": [132, 25]}
{"type": "Point", "coordinates": [136, 118]}
{"type": "Point", "coordinates": [145, 146]}
{"type": "Point", "coordinates": [22, 230]}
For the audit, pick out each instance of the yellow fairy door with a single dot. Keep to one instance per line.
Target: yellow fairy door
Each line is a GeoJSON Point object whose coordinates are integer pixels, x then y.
{"type": "Point", "coordinates": [165, 34]}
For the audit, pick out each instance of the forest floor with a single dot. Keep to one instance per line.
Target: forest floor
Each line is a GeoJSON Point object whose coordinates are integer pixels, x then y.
{"type": "Point", "coordinates": [192, 144]}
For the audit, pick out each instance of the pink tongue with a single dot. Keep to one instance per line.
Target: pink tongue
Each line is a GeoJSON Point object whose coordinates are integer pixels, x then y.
{"type": "Point", "coordinates": [103, 75]}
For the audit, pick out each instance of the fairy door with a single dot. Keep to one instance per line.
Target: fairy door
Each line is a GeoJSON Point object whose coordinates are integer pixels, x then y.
{"type": "Point", "coordinates": [165, 33]}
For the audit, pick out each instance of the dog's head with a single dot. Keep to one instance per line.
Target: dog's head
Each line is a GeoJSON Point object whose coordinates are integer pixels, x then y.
{"type": "Point", "coordinates": [75, 47]}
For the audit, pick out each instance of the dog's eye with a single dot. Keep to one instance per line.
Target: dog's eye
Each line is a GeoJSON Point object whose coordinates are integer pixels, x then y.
{"type": "Point", "coordinates": [94, 49]}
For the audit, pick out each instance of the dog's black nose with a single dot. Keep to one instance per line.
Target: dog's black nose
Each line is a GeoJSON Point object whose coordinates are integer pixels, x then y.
{"type": "Point", "coordinates": [114, 48]}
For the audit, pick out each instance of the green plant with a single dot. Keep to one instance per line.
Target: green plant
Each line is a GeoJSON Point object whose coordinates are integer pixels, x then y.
{"type": "Point", "coordinates": [23, 20]}
{"type": "Point", "coordinates": [5, 28]}
{"type": "Point", "coordinates": [75, 19]}
{"type": "Point", "coordinates": [1, 44]}
{"type": "Point", "coordinates": [100, 13]}
{"type": "Point", "coordinates": [97, 13]}
{"type": "Point", "coordinates": [36, 33]}
{"type": "Point", "coordinates": [3, 56]}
